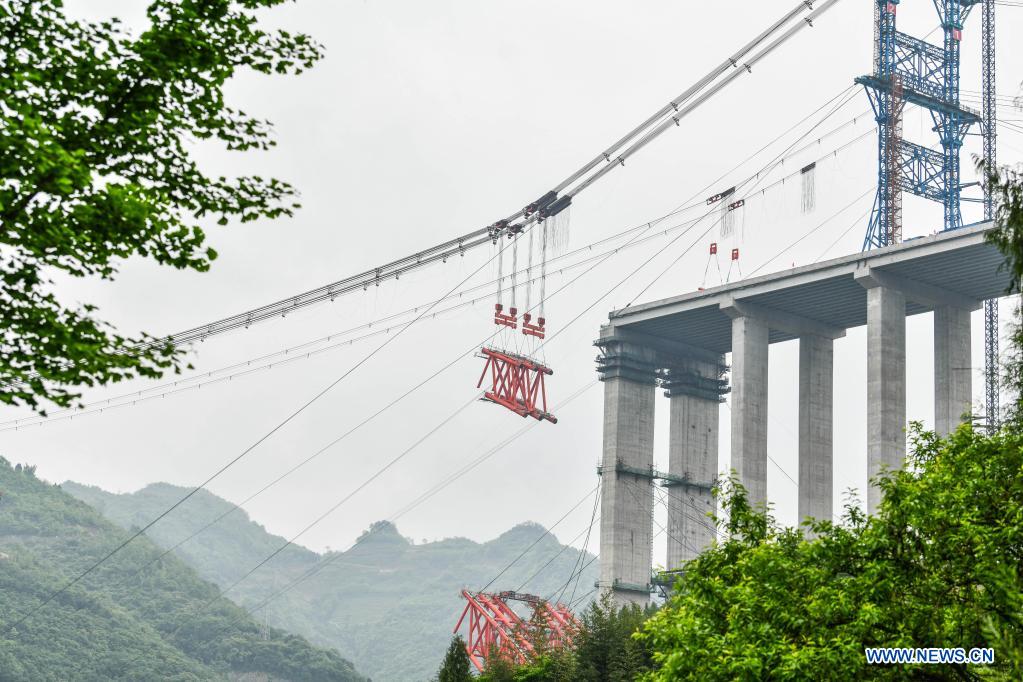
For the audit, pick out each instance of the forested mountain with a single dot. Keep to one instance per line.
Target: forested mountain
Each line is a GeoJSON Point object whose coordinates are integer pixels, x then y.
{"type": "Point", "coordinates": [133, 618]}
{"type": "Point", "coordinates": [387, 604]}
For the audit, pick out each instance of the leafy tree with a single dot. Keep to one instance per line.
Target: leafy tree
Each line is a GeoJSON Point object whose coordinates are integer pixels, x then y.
{"type": "Point", "coordinates": [96, 166]}
{"type": "Point", "coordinates": [605, 648]}
{"type": "Point", "coordinates": [456, 665]}
{"type": "Point", "coordinates": [1007, 184]}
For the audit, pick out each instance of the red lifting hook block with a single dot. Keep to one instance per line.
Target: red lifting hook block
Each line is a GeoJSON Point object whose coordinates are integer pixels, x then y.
{"type": "Point", "coordinates": [537, 329]}
{"type": "Point", "coordinates": [713, 248]}
{"type": "Point", "coordinates": [509, 320]}
{"type": "Point", "coordinates": [516, 383]}
{"type": "Point", "coordinates": [735, 254]}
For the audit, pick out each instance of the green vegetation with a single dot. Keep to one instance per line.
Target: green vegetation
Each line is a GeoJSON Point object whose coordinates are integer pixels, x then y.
{"type": "Point", "coordinates": [121, 622]}
{"type": "Point", "coordinates": [387, 604]}
{"type": "Point", "coordinates": [456, 666]}
{"type": "Point", "coordinates": [96, 137]}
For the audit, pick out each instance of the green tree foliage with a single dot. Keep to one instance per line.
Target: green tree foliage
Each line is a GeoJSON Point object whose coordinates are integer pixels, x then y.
{"type": "Point", "coordinates": [937, 566]}
{"type": "Point", "coordinates": [606, 651]}
{"type": "Point", "coordinates": [133, 618]}
{"type": "Point", "coordinates": [456, 666]}
{"type": "Point", "coordinates": [96, 165]}
{"type": "Point", "coordinates": [1007, 185]}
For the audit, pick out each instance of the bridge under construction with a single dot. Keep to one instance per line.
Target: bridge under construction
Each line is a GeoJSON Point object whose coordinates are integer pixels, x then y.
{"type": "Point", "coordinates": [698, 347]}
{"type": "Point", "coordinates": [680, 344]}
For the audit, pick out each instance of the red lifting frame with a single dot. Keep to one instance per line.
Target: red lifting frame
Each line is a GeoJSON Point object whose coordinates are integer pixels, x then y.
{"type": "Point", "coordinates": [508, 320]}
{"type": "Point", "coordinates": [496, 630]}
{"type": "Point", "coordinates": [517, 383]}
{"type": "Point", "coordinates": [529, 329]}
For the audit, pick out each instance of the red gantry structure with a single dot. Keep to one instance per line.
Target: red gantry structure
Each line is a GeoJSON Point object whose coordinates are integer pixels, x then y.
{"type": "Point", "coordinates": [496, 630]}
{"type": "Point", "coordinates": [517, 383]}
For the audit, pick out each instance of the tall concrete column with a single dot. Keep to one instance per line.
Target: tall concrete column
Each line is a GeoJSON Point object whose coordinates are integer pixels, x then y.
{"type": "Point", "coordinates": [694, 391]}
{"type": "Point", "coordinates": [816, 428]}
{"type": "Point", "coordinates": [749, 404]}
{"type": "Point", "coordinates": [953, 385]}
{"type": "Point", "coordinates": [886, 385]}
{"type": "Point", "coordinates": [626, 499]}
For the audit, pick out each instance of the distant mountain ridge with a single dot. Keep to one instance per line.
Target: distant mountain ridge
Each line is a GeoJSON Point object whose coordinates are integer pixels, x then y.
{"type": "Point", "coordinates": [133, 618]}
{"type": "Point", "coordinates": [387, 604]}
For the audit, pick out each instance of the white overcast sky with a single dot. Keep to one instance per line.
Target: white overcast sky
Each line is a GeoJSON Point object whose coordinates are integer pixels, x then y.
{"type": "Point", "coordinates": [427, 120]}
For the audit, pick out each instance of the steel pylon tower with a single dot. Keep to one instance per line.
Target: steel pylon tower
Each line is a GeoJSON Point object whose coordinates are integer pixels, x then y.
{"type": "Point", "coordinates": [991, 368]}
{"type": "Point", "coordinates": [908, 70]}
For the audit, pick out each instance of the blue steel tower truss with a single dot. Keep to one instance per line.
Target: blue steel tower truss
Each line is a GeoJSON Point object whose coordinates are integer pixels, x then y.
{"type": "Point", "coordinates": [908, 70]}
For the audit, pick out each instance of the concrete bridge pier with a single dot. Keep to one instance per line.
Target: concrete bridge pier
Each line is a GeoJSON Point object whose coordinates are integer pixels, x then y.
{"type": "Point", "coordinates": [752, 326]}
{"type": "Point", "coordinates": [816, 426]}
{"type": "Point", "coordinates": [694, 389]}
{"type": "Point", "coordinates": [749, 404]}
{"type": "Point", "coordinates": [953, 374]}
{"type": "Point", "coordinates": [629, 374]}
{"type": "Point", "coordinates": [632, 366]}
{"type": "Point", "coordinates": [888, 296]}
{"type": "Point", "coordinates": [886, 385]}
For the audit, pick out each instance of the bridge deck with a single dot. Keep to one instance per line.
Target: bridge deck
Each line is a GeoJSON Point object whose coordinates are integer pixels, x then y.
{"type": "Point", "coordinates": [960, 263]}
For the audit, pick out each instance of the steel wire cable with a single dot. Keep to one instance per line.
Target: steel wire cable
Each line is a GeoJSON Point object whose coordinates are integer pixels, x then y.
{"type": "Point", "coordinates": [573, 604]}
{"type": "Point", "coordinates": [206, 378]}
{"type": "Point", "coordinates": [499, 255]}
{"type": "Point", "coordinates": [141, 531]}
{"type": "Point", "coordinates": [581, 571]}
{"type": "Point", "coordinates": [706, 96]}
{"type": "Point", "coordinates": [483, 235]}
{"type": "Point", "coordinates": [608, 292]}
{"type": "Point", "coordinates": [747, 195]}
{"type": "Point", "coordinates": [672, 107]}
{"type": "Point", "coordinates": [479, 237]}
{"type": "Point", "coordinates": [547, 531]}
{"type": "Point", "coordinates": [550, 338]}
{"type": "Point", "coordinates": [312, 571]}
{"type": "Point", "coordinates": [281, 424]}
{"type": "Point", "coordinates": [316, 569]}
{"type": "Point", "coordinates": [561, 551]}
{"type": "Point", "coordinates": [586, 543]}
{"type": "Point", "coordinates": [858, 221]}
{"type": "Point", "coordinates": [359, 488]}
{"type": "Point", "coordinates": [806, 234]}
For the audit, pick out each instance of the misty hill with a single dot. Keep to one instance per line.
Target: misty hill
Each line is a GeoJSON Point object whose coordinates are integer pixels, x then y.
{"type": "Point", "coordinates": [387, 604]}
{"type": "Point", "coordinates": [124, 620]}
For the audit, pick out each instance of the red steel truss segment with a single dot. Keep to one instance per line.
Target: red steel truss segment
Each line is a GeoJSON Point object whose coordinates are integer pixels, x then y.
{"type": "Point", "coordinates": [496, 630]}
{"type": "Point", "coordinates": [517, 383]}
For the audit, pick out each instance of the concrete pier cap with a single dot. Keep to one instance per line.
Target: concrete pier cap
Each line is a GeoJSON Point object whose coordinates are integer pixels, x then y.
{"type": "Point", "coordinates": [679, 342]}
